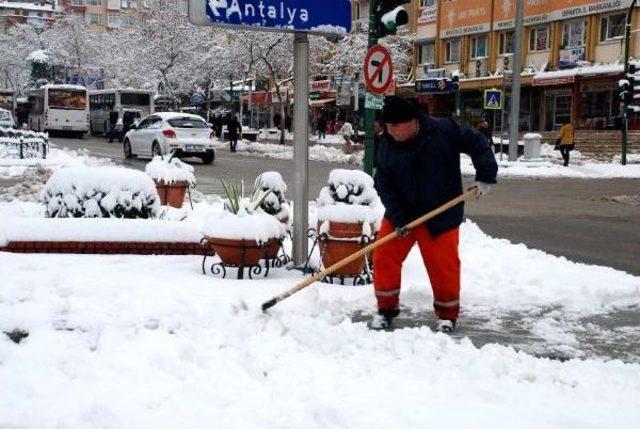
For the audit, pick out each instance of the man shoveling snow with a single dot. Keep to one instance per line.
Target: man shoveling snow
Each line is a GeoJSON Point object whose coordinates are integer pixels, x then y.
{"type": "Point", "coordinates": [418, 170]}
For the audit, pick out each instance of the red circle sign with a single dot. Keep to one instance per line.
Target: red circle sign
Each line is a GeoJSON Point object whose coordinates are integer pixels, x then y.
{"type": "Point", "coordinates": [378, 69]}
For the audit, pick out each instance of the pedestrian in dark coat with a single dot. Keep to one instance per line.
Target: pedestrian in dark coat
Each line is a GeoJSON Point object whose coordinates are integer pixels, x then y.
{"type": "Point", "coordinates": [113, 122]}
{"type": "Point", "coordinates": [233, 129]}
{"type": "Point", "coordinates": [418, 170]}
{"type": "Point", "coordinates": [288, 122]}
{"type": "Point", "coordinates": [127, 121]}
{"type": "Point", "coordinates": [321, 127]}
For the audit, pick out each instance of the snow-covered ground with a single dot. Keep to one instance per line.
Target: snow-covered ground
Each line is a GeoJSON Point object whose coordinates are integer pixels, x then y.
{"type": "Point", "coordinates": [56, 158]}
{"type": "Point", "coordinates": [148, 341]}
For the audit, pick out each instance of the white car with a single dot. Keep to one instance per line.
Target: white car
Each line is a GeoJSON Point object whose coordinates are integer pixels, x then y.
{"type": "Point", "coordinates": [160, 133]}
{"type": "Point", "coordinates": [6, 119]}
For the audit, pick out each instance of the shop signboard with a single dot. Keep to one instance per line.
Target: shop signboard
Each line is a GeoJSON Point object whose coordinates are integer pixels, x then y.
{"type": "Point", "coordinates": [570, 57]}
{"type": "Point", "coordinates": [373, 101]}
{"type": "Point", "coordinates": [459, 17]}
{"type": "Point", "coordinates": [320, 85]}
{"type": "Point", "coordinates": [434, 86]}
{"type": "Point", "coordinates": [428, 12]}
{"type": "Point", "coordinates": [549, 81]}
{"type": "Point", "coordinates": [327, 17]}
{"type": "Point", "coordinates": [543, 11]}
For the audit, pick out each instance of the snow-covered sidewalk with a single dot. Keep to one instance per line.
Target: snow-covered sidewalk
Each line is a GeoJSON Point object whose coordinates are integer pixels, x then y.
{"type": "Point", "coordinates": [56, 158]}
{"type": "Point", "coordinates": [134, 341]}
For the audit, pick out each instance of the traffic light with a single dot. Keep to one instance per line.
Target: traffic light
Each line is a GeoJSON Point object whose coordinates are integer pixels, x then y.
{"type": "Point", "coordinates": [391, 15]}
{"type": "Point", "coordinates": [455, 82]}
{"type": "Point", "coordinates": [634, 83]}
{"type": "Point", "coordinates": [624, 91]}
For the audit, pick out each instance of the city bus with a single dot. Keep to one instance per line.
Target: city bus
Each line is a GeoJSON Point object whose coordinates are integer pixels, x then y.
{"type": "Point", "coordinates": [104, 101]}
{"type": "Point", "coordinates": [59, 108]}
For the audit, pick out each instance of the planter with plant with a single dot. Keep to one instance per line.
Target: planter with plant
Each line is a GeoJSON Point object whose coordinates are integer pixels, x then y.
{"type": "Point", "coordinates": [275, 204]}
{"type": "Point", "coordinates": [349, 213]}
{"type": "Point", "coordinates": [172, 178]}
{"type": "Point", "coordinates": [239, 234]}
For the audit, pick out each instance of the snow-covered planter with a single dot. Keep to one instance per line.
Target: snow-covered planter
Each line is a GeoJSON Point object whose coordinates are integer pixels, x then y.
{"type": "Point", "coordinates": [172, 178]}
{"type": "Point", "coordinates": [100, 192]}
{"type": "Point", "coordinates": [271, 184]}
{"type": "Point", "coordinates": [349, 212]}
{"type": "Point", "coordinates": [241, 234]}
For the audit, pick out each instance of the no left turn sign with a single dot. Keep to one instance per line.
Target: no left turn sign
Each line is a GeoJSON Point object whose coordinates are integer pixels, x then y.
{"type": "Point", "coordinates": [378, 69]}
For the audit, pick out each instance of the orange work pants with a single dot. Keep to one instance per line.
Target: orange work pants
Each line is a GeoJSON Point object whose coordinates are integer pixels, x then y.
{"type": "Point", "coordinates": [440, 257]}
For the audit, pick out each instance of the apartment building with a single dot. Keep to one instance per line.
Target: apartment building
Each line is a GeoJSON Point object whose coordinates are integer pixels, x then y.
{"type": "Point", "coordinates": [104, 14]}
{"type": "Point", "coordinates": [571, 63]}
{"type": "Point", "coordinates": [37, 14]}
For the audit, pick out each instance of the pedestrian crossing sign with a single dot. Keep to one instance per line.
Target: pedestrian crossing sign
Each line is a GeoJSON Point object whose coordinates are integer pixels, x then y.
{"type": "Point", "coordinates": [493, 99]}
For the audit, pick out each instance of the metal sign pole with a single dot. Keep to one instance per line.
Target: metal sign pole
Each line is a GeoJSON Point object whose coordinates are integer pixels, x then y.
{"type": "Point", "coordinates": [301, 147]}
{"type": "Point", "coordinates": [514, 117]}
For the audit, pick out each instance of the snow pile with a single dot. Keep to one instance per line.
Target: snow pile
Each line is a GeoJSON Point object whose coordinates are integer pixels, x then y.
{"type": "Point", "coordinates": [349, 197]}
{"type": "Point", "coordinates": [100, 192]}
{"type": "Point", "coordinates": [96, 230]}
{"type": "Point", "coordinates": [96, 340]}
{"type": "Point", "coordinates": [170, 170]}
{"type": "Point", "coordinates": [275, 203]}
{"type": "Point", "coordinates": [56, 158]}
{"type": "Point", "coordinates": [257, 226]}
{"type": "Point", "coordinates": [316, 153]}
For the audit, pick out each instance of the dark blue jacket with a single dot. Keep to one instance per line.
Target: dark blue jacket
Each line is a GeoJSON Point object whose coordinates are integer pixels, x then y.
{"type": "Point", "coordinates": [415, 177]}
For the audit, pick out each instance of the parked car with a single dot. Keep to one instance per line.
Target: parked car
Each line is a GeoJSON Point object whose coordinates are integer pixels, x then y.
{"type": "Point", "coordinates": [6, 119]}
{"type": "Point", "coordinates": [160, 133]}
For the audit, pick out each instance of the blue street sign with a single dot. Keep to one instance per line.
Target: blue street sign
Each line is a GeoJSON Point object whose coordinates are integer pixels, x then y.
{"type": "Point", "coordinates": [434, 86]}
{"type": "Point", "coordinates": [493, 99]}
{"type": "Point", "coordinates": [310, 16]}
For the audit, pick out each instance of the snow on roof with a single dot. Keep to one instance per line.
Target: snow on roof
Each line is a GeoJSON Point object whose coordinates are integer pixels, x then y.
{"type": "Point", "coordinates": [63, 86]}
{"type": "Point", "coordinates": [176, 115]}
{"type": "Point", "coordinates": [27, 6]}
{"type": "Point", "coordinates": [582, 71]}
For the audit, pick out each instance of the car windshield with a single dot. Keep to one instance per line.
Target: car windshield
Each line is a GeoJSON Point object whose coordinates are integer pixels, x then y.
{"type": "Point", "coordinates": [187, 123]}
{"type": "Point", "coordinates": [5, 116]}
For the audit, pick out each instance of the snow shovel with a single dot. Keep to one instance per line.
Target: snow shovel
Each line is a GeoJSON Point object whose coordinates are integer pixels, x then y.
{"type": "Point", "coordinates": [471, 192]}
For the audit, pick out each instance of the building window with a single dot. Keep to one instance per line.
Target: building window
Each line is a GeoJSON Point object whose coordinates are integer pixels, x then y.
{"type": "Point", "coordinates": [426, 53]}
{"type": "Point", "coordinates": [452, 51]}
{"type": "Point", "coordinates": [478, 47]}
{"type": "Point", "coordinates": [506, 42]}
{"type": "Point", "coordinates": [575, 34]}
{"type": "Point", "coordinates": [124, 4]}
{"type": "Point", "coordinates": [78, 2]}
{"type": "Point", "coordinates": [539, 39]}
{"type": "Point", "coordinates": [94, 18]}
{"type": "Point", "coordinates": [114, 19]}
{"type": "Point", "coordinates": [612, 27]}
{"type": "Point", "coordinates": [93, 2]}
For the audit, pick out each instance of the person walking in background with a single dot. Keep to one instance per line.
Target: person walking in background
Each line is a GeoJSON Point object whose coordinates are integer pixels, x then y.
{"type": "Point", "coordinates": [127, 121]}
{"type": "Point", "coordinates": [484, 129]}
{"type": "Point", "coordinates": [321, 127]}
{"type": "Point", "coordinates": [565, 141]}
{"type": "Point", "coordinates": [288, 122]}
{"type": "Point", "coordinates": [113, 122]}
{"type": "Point", "coordinates": [233, 128]}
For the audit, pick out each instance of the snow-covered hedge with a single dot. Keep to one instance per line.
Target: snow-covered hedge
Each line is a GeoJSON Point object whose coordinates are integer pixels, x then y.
{"type": "Point", "coordinates": [170, 170]}
{"type": "Point", "coordinates": [350, 197]}
{"type": "Point", "coordinates": [23, 143]}
{"type": "Point", "coordinates": [100, 192]}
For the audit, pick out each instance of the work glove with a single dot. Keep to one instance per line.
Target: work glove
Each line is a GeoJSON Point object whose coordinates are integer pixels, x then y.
{"type": "Point", "coordinates": [402, 232]}
{"type": "Point", "coordinates": [482, 189]}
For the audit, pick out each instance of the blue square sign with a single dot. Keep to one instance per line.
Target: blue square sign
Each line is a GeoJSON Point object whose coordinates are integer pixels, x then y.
{"type": "Point", "coordinates": [493, 99]}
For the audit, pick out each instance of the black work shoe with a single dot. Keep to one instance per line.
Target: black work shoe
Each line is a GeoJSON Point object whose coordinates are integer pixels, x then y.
{"type": "Point", "coordinates": [446, 326]}
{"type": "Point", "coordinates": [383, 319]}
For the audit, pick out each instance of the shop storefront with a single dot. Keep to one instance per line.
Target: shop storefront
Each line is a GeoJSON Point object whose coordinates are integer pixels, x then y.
{"type": "Point", "coordinates": [599, 105]}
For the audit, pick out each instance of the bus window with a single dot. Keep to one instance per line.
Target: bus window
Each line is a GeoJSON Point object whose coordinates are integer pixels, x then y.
{"type": "Point", "coordinates": [67, 99]}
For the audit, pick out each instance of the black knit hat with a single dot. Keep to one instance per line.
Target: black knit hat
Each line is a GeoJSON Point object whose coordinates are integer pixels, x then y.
{"type": "Point", "coordinates": [398, 110]}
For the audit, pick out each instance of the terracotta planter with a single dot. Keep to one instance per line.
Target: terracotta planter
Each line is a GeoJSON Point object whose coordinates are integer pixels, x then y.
{"type": "Point", "coordinates": [237, 253]}
{"type": "Point", "coordinates": [171, 194]}
{"type": "Point", "coordinates": [272, 248]}
{"type": "Point", "coordinates": [334, 250]}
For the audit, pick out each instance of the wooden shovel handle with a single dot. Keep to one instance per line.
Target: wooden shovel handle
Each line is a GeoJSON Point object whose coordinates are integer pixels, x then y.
{"type": "Point", "coordinates": [471, 192]}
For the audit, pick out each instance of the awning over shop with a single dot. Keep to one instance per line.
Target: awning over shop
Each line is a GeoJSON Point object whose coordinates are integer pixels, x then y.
{"type": "Point", "coordinates": [321, 102]}
{"type": "Point", "coordinates": [562, 77]}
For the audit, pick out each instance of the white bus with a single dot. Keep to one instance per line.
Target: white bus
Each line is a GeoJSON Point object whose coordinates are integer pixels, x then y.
{"type": "Point", "coordinates": [104, 101]}
{"type": "Point", "coordinates": [59, 108]}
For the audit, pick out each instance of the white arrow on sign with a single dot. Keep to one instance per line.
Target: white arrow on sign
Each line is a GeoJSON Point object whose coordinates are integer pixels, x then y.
{"type": "Point", "coordinates": [378, 69]}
